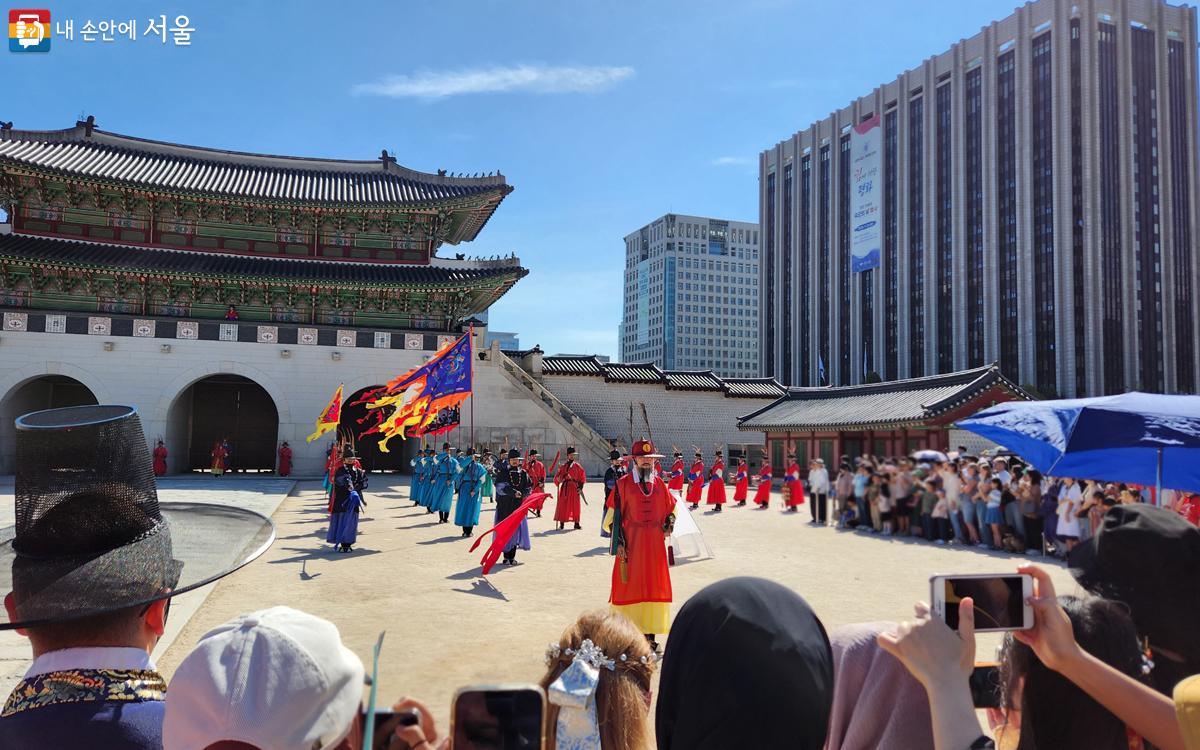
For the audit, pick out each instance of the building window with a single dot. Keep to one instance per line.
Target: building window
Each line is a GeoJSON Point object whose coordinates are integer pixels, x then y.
{"type": "Point", "coordinates": [843, 371]}
{"type": "Point", "coordinates": [890, 256]}
{"type": "Point", "coordinates": [1006, 212]}
{"type": "Point", "coordinates": [786, 375]}
{"type": "Point", "coordinates": [945, 231]}
{"type": "Point", "coordinates": [805, 266]}
{"type": "Point", "coordinates": [916, 237]}
{"type": "Point", "coordinates": [973, 173]}
{"type": "Point", "coordinates": [1042, 137]}
{"type": "Point", "coordinates": [1181, 225]}
{"type": "Point", "coordinates": [1146, 232]}
{"type": "Point", "coordinates": [823, 266]}
{"type": "Point", "coordinates": [769, 295]}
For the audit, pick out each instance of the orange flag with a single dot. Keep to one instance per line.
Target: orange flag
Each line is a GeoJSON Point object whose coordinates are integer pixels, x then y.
{"type": "Point", "coordinates": [330, 415]}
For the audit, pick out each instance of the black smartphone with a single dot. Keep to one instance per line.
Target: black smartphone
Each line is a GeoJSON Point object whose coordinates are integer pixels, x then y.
{"type": "Point", "coordinates": [985, 686]}
{"type": "Point", "coordinates": [498, 717]}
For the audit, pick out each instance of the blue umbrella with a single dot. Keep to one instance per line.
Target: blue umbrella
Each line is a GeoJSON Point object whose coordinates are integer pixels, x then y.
{"type": "Point", "coordinates": [1142, 438]}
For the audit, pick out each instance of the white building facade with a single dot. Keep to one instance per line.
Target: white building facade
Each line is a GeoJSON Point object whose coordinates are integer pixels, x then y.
{"type": "Point", "coordinates": [691, 295]}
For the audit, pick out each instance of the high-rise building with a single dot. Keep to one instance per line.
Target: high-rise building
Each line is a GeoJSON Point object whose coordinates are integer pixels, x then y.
{"type": "Point", "coordinates": [691, 295]}
{"type": "Point", "coordinates": [1038, 209]}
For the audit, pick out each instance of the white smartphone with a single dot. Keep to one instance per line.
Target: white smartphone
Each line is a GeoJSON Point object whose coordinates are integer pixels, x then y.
{"type": "Point", "coordinates": [999, 600]}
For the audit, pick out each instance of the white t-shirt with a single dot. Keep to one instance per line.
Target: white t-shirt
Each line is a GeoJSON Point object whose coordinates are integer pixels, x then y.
{"type": "Point", "coordinates": [1069, 500]}
{"type": "Point", "coordinates": [951, 485]}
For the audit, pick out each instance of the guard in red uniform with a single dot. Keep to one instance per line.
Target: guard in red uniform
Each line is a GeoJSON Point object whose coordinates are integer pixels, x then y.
{"type": "Point", "coordinates": [795, 488]}
{"type": "Point", "coordinates": [762, 495]}
{"type": "Point", "coordinates": [716, 482]}
{"type": "Point", "coordinates": [741, 483]}
{"type": "Point", "coordinates": [537, 474]}
{"type": "Point", "coordinates": [676, 482]}
{"type": "Point", "coordinates": [644, 515]}
{"type": "Point", "coordinates": [570, 479]}
{"type": "Point", "coordinates": [160, 459]}
{"type": "Point", "coordinates": [285, 459]}
{"type": "Point", "coordinates": [695, 479]}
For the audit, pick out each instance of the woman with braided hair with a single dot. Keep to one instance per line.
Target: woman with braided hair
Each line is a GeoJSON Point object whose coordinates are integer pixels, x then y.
{"type": "Point", "coordinates": [612, 657]}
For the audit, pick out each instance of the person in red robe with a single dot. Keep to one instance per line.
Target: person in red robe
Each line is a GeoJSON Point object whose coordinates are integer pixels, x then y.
{"type": "Point", "coordinates": [160, 459]}
{"type": "Point", "coordinates": [762, 495]}
{"type": "Point", "coordinates": [219, 453]}
{"type": "Point", "coordinates": [791, 480]}
{"type": "Point", "coordinates": [676, 483]}
{"type": "Point", "coordinates": [285, 459]}
{"type": "Point", "coordinates": [741, 483]}
{"type": "Point", "coordinates": [695, 479]}
{"type": "Point", "coordinates": [716, 482]}
{"type": "Point", "coordinates": [570, 479]}
{"type": "Point", "coordinates": [537, 474]}
{"type": "Point", "coordinates": [643, 518]}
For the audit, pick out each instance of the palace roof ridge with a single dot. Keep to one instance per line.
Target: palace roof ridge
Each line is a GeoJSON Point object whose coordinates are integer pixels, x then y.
{"type": "Point", "coordinates": [81, 133]}
{"type": "Point", "coordinates": [649, 373]}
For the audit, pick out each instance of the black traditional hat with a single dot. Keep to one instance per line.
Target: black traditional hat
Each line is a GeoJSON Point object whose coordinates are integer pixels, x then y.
{"type": "Point", "coordinates": [514, 453]}
{"type": "Point", "coordinates": [614, 455]}
{"type": "Point", "coordinates": [445, 446]}
{"type": "Point", "coordinates": [348, 454]}
{"type": "Point", "coordinates": [571, 450]}
{"type": "Point", "coordinates": [533, 452]}
{"type": "Point", "coordinates": [1148, 558]}
{"type": "Point", "coordinates": [470, 451]}
{"type": "Point", "coordinates": [90, 535]}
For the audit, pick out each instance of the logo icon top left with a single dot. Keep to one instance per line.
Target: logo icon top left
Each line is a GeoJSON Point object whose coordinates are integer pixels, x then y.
{"type": "Point", "coordinates": [29, 30]}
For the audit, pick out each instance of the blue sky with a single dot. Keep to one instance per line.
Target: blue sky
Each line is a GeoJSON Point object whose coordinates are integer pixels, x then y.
{"type": "Point", "coordinates": [603, 115]}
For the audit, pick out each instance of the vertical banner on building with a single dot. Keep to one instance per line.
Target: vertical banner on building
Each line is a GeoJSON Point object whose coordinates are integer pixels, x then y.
{"type": "Point", "coordinates": [643, 303]}
{"type": "Point", "coordinates": [866, 194]}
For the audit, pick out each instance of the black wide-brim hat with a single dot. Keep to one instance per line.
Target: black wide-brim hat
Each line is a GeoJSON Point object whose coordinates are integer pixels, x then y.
{"type": "Point", "coordinates": [1148, 558]}
{"type": "Point", "coordinates": [91, 536]}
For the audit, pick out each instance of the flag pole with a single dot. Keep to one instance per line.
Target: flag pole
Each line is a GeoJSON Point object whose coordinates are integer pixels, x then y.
{"type": "Point", "coordinates": [471, 359]}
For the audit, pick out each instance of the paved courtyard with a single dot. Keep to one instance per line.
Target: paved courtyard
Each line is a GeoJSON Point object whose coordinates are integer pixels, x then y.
{"type": "Point", "coordinates": [447, 627]}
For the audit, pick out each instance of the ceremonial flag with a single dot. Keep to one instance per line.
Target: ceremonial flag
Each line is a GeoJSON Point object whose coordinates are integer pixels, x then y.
{"type": "Point", "coordinates": [423, 393]}
{"type": "Point", "coordinates": [330, 416]}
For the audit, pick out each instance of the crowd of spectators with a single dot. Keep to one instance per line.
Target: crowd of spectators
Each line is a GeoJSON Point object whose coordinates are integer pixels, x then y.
{"type": "Point", "coordinates": [997, 503]}
{"type": "Point", "coordinates": [748, 664]}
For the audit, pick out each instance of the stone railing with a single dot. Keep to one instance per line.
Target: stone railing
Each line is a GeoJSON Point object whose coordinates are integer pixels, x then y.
{"type": "Point", "coordinates": [580, 428]}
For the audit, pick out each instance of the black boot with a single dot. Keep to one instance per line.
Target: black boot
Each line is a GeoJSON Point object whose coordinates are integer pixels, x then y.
{"type": "Point", "coordinates": [577, 526]}
{"type": "Point", "coordinates": [718, 508]}
{"type": "Point", "coordinates": [469, 531]}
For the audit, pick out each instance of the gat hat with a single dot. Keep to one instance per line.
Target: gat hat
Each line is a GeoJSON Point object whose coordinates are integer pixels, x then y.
{"type": "Point", "coordinates": [614, 455]}
{"type": "Point", "coordinates": [445, 446]}
{"type": "Point", "coordinates": [277, 678]}
{"type": "Point", "coordinates": [91, 536]}
{"type": "Point", "coordinates": [678, 454]}
{"type": "Point", "coordinates": [348, 454]}
{"type": "Point", "coordinates": [533, 452]}
{"type": "Point", "coordinates": [570, 450]}
{"type": "Point", "coordinates": [644, 449]}
{"type": "Point", "coordinates": [1148, 558]}
{"type": "Point", "coordinates": [514, 453]}
{"type": "Point", "coordinates": [470, 451]}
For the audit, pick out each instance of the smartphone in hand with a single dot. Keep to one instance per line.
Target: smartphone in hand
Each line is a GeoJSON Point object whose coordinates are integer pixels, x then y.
{"type": "Point", "coordinates": [498, 717]}
{"type": "Point", "coordinates": [999, 600]}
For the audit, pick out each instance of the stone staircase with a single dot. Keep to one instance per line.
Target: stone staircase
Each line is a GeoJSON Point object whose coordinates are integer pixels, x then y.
{"type": "Point", "coordinates": [588, 442]}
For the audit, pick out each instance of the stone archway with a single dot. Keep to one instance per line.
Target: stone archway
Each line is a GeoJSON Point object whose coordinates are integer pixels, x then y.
{"type": "Point", "coordinates": [34, 394]}
{"type": "Point", "coordinates": [223, 406]}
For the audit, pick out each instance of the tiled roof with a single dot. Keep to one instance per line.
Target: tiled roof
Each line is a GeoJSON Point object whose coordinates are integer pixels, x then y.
{"type": "Point", "coordinates": [632, 373]}
{"type": "Point", "coordinates": [753, 387]}
{"type": "Point", "coordinates": [72, 253]}
{"type": "Point", "coordinates": [92, 153]}
{"type": "Point", "coordinates": [900, 401]}
{"type": "Point", "coordinates": [571, 366]}
{"type": "Point", "coordinates": [676, 380]}
{"type": "Point", "coordinates": [702, 380]}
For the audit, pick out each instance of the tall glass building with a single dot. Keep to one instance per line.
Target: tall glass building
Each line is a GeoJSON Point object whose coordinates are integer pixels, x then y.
{"type": "Point", "coordinates": [691, 295]}
{"type": "Point", "coordinates": [1038, 210]}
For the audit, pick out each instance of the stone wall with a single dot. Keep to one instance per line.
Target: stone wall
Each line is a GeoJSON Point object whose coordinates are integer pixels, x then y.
{"type": "Point", "coordinates": [152, 373]}
{"type": "Point", "coordinates": [681, 418]}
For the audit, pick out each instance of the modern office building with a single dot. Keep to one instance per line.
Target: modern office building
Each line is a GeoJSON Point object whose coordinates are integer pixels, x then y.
{"type": "Point", "coordinates": [1038, 210]}
{"type": "Point", "coordinates": [691, 295]}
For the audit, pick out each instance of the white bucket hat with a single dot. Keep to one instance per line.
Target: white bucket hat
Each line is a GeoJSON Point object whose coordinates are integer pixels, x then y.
{"type": "Point", "coordinates": [278, 679]}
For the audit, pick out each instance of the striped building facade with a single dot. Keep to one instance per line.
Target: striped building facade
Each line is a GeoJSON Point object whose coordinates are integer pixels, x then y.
{"type": "Point", "coordinates": [1039, 211]}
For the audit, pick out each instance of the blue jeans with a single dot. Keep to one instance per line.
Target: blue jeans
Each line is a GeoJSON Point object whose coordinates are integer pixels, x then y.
{"type": "Point", "coordinates": [985, 531]}
{"type": "Point", "coordinates": [1013, 517]}
{"type": "Point", "coordinates": [956, 522]}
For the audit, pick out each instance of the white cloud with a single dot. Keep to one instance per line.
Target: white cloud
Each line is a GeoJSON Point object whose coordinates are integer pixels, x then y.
{"type": "Point", "coordinates": [536, 79]}
{"type": "Point", "coordinates": [730, 161]}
